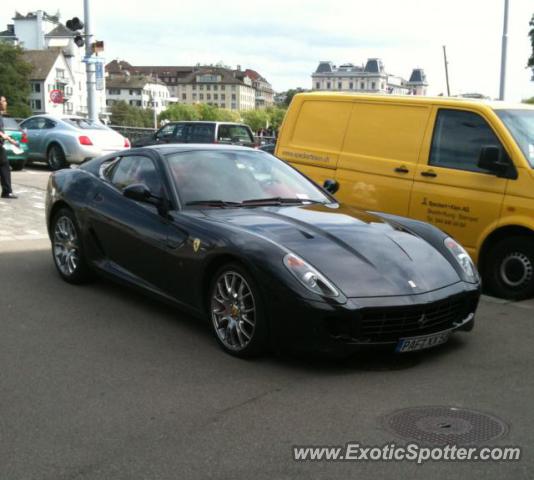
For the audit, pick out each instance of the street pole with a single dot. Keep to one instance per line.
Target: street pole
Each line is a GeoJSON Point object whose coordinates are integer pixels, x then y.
{"type": "Point", "coordinates": [446, 70]}
{"type": "Point", "coordinates": [89, 65]}
{"type": "Point", "coordinates": [503, 51]}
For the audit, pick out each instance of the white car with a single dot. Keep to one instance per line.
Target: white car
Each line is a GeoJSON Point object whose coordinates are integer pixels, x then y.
{"type": "Point", "coordinates": [60, 141]}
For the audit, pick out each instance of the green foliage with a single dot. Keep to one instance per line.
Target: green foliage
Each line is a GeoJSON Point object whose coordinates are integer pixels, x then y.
{"type": "Point", "coordinates": [291, 93]}
{"type": "Point", "coordinates": [225, 115]}
{"type": "Point", "coordinates": [130, 116]}
{"type": "Point", "coordinates": [15, 80]}
{"type": "Point", "coordinates": [529, 100]}
{"type": "Point", "coordinates": [276, 116]}
{"type": "Point", "coordinates": [255, 119]}
{"type": "Point", "coordinates": [531, 35]}
{"type": "Point", "coordinates": [179, 111]}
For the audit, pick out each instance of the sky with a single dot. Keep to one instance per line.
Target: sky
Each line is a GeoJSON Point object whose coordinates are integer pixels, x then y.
{"type": "Point", "coordinates": [284, 40]}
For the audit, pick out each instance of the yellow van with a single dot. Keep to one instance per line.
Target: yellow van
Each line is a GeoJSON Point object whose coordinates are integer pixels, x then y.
{"type": "Point", "coordinates": [466, 166]}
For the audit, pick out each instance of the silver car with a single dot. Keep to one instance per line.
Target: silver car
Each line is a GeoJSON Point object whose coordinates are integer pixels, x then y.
{"type": "Point", "coordinates": [60, 141]}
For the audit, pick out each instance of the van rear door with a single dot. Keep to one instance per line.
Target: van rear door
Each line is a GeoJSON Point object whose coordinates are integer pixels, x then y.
{"type": "Point", "coordinates": [312, 136]}
{"type": "Point", "coordinates": [450, 190]}
{"type": "Point", "coordinates": [377, 165]}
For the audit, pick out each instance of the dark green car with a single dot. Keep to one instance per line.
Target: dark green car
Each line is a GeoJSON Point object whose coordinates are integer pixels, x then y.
{"type": "Point", "coordinates": [12, 128]}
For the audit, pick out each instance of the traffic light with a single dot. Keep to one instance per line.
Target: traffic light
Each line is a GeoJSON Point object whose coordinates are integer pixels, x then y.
{"type": "Point", "coordinates": [75, 24]}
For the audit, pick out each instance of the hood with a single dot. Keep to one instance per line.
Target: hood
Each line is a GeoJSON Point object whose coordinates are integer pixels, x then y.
{"type": "Point", "coordinates": [361, 253]}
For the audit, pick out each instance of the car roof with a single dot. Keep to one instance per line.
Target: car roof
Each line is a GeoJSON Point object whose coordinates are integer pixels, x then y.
{"type": "Point", "coordinates": [206, 122]}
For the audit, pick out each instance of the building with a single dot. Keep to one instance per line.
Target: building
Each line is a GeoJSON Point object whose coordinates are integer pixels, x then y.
{"type": "Point", "coordinates": [215, 85]}
{"type": "Point", "coordinates": [40, 32]}
{"type": "Point", "coordinates": [264, 90]}
{"type": "Point", "coordinates": [369, 78]}
{"type": "Point", "coordinates": [138, 91]}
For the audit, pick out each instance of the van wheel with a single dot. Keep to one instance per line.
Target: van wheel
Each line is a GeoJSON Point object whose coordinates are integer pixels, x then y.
{"type": "Point", "coordinates": [509, 269]}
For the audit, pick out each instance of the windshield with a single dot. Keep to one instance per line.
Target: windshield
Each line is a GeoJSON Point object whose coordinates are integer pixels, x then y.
{"type": "Point", "coordinates": [83, 124]}
{"type": "Point", "coordinates": [233, 177]}
{"type": "Point", "coordinates": [520, 122]}
{"type": "Point", "coordinates": [10, 124]}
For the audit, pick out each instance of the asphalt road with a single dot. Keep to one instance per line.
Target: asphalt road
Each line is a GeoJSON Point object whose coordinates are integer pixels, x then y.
{"type": "Point", "coordinates": [98, 382]}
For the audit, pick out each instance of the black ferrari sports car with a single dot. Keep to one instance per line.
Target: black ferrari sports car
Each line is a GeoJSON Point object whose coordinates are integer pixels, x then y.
{"type": "Point", "coordinates": [239, 237]}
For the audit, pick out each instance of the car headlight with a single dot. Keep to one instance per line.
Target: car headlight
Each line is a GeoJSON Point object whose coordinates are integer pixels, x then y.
{"type": "Point", "coordinates": [463, 258]}
{"type": "Point", "coordinates": [309, 276]}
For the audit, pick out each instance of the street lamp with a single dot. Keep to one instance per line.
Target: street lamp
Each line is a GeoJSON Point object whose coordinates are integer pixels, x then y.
{"type": "Point", "coordinates": [503, 51]}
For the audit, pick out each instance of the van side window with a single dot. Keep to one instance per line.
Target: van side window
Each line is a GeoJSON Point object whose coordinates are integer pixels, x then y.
{"type": "Point", "coordinates": [458, 138]}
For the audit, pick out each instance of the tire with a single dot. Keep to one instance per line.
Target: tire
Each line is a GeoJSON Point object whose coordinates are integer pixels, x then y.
{"type": "Point", "coordinates": [240, 326]}
{"type": "Point", "coordinates": [509, 269]}
{"type": "Point", "coordinates": [67, 248]}
{"type": "Point", "coordinates": [56, 157]}
{"type": "Point", "coordinates": [17, 165]}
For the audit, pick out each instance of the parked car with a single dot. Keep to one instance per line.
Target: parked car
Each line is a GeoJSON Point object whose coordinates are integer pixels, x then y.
{"type": "Point", "coordinates": [16, 159]}
{"type": "Point", "coordinates": [269, 148]}
{"type": "Point", "coordinates": [200, 132]}
{"type": "Point", "coordinates": [239, 237]}
{"type": "Point", "coordinates": [466, 166]}
{"type": "Point", "coordinates": [60, 141]}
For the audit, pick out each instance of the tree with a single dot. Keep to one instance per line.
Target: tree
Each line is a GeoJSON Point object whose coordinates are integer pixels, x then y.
{"type": "Point", "coordinates": [531, 35]}
{"type": "Point", "coordinates": [291, 93]}
{"type": "Point", "coordinates": [276, 116]}
{"type": "Point", "coordinates": [179, 111]}
{"type": "Point", "coordinates": [130, 116]}
{"type": "Point", "coordinates": [15, 80]}
{"type": "Point", "coordinates": [255, 119]}
{"type": "Point", "coordinates": [529, 100]}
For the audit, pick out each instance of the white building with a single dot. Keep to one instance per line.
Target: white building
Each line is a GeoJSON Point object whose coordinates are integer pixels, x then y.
{"type": "Point", "coordinates": [39, 31]}
{"type": "Point", "coordinates": [214, 85]}
{"type": "Point", "coordinates": [138, 91]}
{"type": "Point", "coordinates": [371, 78]}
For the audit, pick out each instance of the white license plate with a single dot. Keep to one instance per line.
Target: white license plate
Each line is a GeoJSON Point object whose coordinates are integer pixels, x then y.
{"type": "Point", "coordinates": [411, 344]}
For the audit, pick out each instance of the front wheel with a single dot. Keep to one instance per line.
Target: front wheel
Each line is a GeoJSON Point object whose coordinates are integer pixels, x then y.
{"type": "Point", "coordinates": [67, 248]}
{"type": "Point", "coordinates": [509, 270]}
{"type": "Point", "coordinates": [236, 312]}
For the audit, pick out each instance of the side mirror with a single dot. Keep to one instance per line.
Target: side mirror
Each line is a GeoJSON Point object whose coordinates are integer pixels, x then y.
{"type": "Point", "coordinates": [331, 186]}
{"type": "Point", "coordinates": [493, 159]}
{"type": "Point", "coordinates": [141, 193]}
{"type": "Point", "coordinates": [138, 192]}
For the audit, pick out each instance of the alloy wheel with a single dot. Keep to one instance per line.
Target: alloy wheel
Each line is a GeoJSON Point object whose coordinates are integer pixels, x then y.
{"type": "Point", "coordinates": [233, 311]}
{"type": "Point", "coordinates": [66, 246]}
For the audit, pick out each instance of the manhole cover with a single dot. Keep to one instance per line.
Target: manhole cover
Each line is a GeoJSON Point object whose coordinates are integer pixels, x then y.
{"type": "Point", "coordinates": [444, 425]}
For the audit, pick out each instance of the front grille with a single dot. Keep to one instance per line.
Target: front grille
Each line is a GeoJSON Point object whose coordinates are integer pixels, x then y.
{"type": "Point", "coordinates": [391, 323]}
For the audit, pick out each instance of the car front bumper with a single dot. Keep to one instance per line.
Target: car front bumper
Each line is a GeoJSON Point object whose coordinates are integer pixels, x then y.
{"type": "Point", "coordinates": [363, 323]}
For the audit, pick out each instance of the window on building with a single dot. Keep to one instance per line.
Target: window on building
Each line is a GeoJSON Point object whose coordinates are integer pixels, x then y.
{"type": "Point", "coordinates": [194, 96]}
{"type": "Point", "coordinates": [194, 87]}
{"type": "Point", "coordinates": [339, 85]}
{"type": "Point", "coordinates": [208, 96]}
{"type": "Point", "coordinates": [201, 96]}
{"type": "Point", "coordinates": [351, 85]}
{"type": "Point", "coordinates": [201, 87]}
{"type": "Point", "coordinates": [223, 87]}
{"type": "Point", "coordinates": [234, 106]}
{"type": "Point", "coordinates": [184, 96]}
{"type": "Point", "coordinates": [215, 96]}
{"type": "Point", "coordinates": [328, 85]}
{"type": "Point", "coordinates": [383, 86]}
{"type": "Point", "coordinates": [223, 96]}
{"type": "Point", "coordinates": [234, 96]}
{"type": "Point", "coordinates": [233, 88]}
{"type": "Point", "coordinates": [208, 87]}
{"type": "Point", "coordinates": [60, 73]}
{"type": "Point", "coordinates": [37, 87]}
{"type": "Point", "coordinates": [317, 85]}
{"type": "Point", "coordinates": [373, 85]}
{"type": "Point", "coordinates": [362, 86]}
{"type": "Point", "coordinates": [215, 87]}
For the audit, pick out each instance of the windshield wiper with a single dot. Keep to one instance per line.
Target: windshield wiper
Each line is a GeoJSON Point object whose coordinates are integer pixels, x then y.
{"type": "Point", "coordinates": [214, 203]}
{"type": "Point", "coordinates": [279, 201]}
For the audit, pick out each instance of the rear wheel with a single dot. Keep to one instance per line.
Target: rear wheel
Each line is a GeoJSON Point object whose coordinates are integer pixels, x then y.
{"type": "Point", "coordinates": [56, 157]}
{"type": "Point", "coordinates": [236, 312]}
{"type": "Point", "coordinates": [509, 269]}
{"type": "Point", "coordinates": [67, 248]}
{"type": "Point", "coordinates": [17, 165]}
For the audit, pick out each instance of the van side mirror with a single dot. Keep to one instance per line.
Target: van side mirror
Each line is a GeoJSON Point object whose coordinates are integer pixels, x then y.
{"type": "Point", "coordinates": [493, 159]}
{"type": "Point", "coordinates": [331, 186]}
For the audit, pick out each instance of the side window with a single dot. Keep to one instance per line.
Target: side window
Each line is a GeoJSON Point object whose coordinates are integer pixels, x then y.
{"type": "Point", "coordinates": [166, 131]}
{"type": "Point", "coordinates": [49, 124]}
{"type": "Point", "coordinates": [201, 133]}
{"type": "Point", "coordinates": [136, 169]}
{"type": "Point", "coordinates": [458, 138]}
{"type": "Point", "coordinates": [33, 124]}
{"type": "Point", "coordinates": [179, 133]}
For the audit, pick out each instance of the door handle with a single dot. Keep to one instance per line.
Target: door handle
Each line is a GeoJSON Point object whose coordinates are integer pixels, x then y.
{"type": "Point", "coordinates": [429, 173]}
{"type": "Point", "coordinates": [402, 169]}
